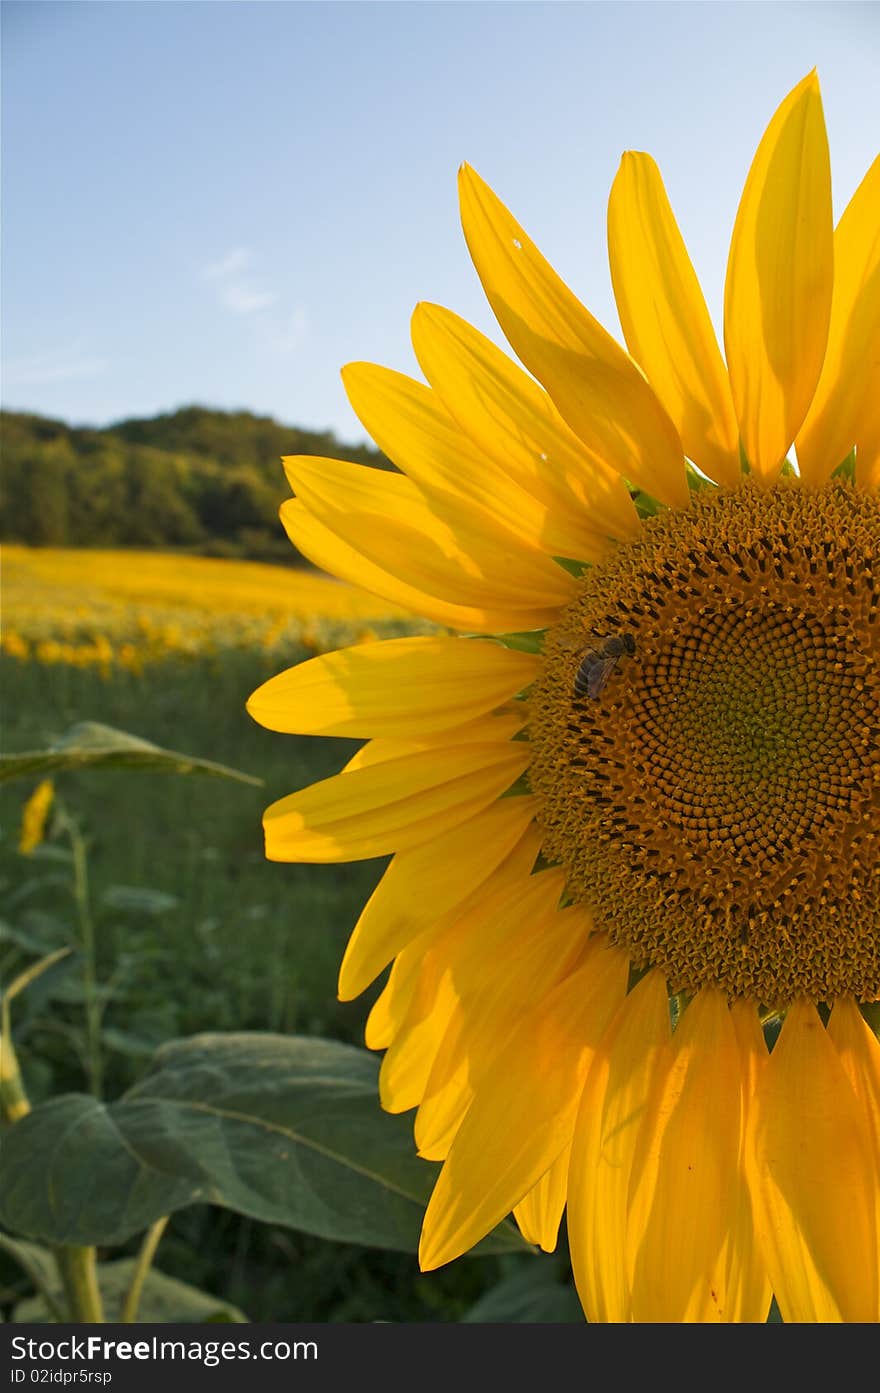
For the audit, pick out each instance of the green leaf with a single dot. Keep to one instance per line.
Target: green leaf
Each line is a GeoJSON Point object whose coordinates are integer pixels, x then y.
{"type": "Point", "coordinates": [24, 979]}
{"type": "Point", "coordinates": [163, 1299]}
{"type": "Point", "coordinates": [142, 899]}
{"type": "Point", "coordinates": [27, 942]}
{"type": "Point", "coordinates": [90, 745]}
{"type": "Point", "coordinates": [38, 1265]}
{"type": "Point", "coordinates": [533, 1295]}
{"type": "Point", "coordinates": [126, 1042]}
{"type": "Point", "coordinates": [284, 1129]}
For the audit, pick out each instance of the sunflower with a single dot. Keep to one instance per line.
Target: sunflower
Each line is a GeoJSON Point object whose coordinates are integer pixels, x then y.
{"type": "Point", "coordinates": [630, 787]}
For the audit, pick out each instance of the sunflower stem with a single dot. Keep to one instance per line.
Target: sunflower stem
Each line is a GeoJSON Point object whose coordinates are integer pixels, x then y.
{"type": "Point", "coordinates": [79, 1275]}
{"type": "Point", "coordinates": [129, 1311]}
{"type": "Point", "coordinates": [92, 1005]}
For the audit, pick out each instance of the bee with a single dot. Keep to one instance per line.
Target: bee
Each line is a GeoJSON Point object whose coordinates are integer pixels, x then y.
{"type": "Point", "coordinates": [598, 661]}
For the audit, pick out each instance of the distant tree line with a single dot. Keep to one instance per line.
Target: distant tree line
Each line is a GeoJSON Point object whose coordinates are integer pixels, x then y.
{"type": "Point", "coordinates": [194, 480]}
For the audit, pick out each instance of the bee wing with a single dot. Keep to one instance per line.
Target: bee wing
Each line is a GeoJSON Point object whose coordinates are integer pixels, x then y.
{"type": "Point", "coordinates": [571, 643]}
{"type": "Point", "coordinates": [587, 645]}
{"type": "Point", "coordinates": [599, 671]}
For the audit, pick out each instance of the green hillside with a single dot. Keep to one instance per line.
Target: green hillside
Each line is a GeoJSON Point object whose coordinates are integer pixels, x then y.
{"type": "Point", "coordinates": [195, 479]}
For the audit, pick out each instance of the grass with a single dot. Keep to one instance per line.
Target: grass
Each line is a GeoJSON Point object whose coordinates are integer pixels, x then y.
{"type": "Point", "coordinates": [197, 931]}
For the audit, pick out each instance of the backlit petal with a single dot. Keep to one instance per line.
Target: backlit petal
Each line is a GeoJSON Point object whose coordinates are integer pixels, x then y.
{"type": "Point", "coordinates": [523, 1115]}
{"type": "Point", "coordinates": [846, 407]}
{"type": "Point", "coordinates": [859, 1052]}
{"type": "Point", "coordinates": [534, 945]}
{"type": "Point", "coordinates": [665, 320]}
{"type": "Point", "coordinates": [777, 297]}
{"type": "Point", "coordinates": [813, 1178]}
{"type": "Point", "coordinates": [412, 425]}
{"type": "Point", "coordinates": [608, 1123]}
{"type": "Point", "coordinates": [683, 1187]}
{"type": "Point", "coordinates": [323, 546]}
{"type": "Point", "coordinates": [453, 557]}
{"type": "Point", "coordinates": [423, 883]}
{"type": "Point", "coordinates": [393, 805]}
{"type": "Point", "coordinates": [421, 1006]}
{"type": "Point", "coordinates": [539, 1213]}
{"type": "Point", "coordinates": [594, 383]}
{"type": "Point", "coordinates": [741, 1276]}
{"type": "Point", "coordinates": [512, 419]}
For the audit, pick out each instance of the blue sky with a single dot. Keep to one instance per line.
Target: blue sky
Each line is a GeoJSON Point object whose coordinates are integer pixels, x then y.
{"type": "Point", "coordinates": [224, 202]}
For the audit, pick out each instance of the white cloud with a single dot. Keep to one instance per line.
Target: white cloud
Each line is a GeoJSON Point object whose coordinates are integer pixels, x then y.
{"type": "Point", "coordinates": [295, 332]}
{"type": "Point", "coordinates": [245, 299]}
{"type": "Point", "coordinates": [239, 295]}
{"type": "Point", "coordinates": [229, 265]}
{"type": "Point", "coordinates": [57, 365]}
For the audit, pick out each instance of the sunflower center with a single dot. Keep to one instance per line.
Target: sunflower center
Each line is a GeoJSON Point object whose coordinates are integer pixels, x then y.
{"type": "Point", "coordinates": [706, 738]}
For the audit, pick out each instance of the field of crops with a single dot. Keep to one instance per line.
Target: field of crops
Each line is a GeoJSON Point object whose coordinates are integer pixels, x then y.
{"type": "Point", "coordinates": [128, 608]}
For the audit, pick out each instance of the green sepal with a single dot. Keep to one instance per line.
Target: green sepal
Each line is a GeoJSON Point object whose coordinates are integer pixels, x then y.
{"type": "Point", "coordinates": [519, 789]}
{"type": "Point", "coordinates": [697, 482]}
{"type": "Point", "coordinates": [529, 641]}
{"type": "Point", "coordinates": [871, 1012]}
{"type": "Point", "coordinates": [646, 506]}
{"type": "Point", "coordinates": [572, 566]}
{"type": "Point", "coordinates": [847, 467]}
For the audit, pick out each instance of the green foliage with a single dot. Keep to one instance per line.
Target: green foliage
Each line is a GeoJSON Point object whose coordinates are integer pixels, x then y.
{"type": "Point", "coordinates": [194, 479]}
{"type": "Point", "coordinates": [90, 745]}
{"type": "Point", "coordinates": [531, 1292]}
{"type": "Point", "coordinates": [285, 1129]}
{"type": "Point", "coordinates": [163, 1299]}
{"type": "Point", "coordinates": [193, 930]}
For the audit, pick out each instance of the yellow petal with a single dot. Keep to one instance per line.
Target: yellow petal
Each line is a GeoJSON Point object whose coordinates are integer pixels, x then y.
{"type": "Point", "coordinates": [402, 687]}
{"type": "Point", "coordinates": [391, 1005]}
{"type": "Point", "coordinates": [325, 548]}
{"type": "Point", "coordinates": [741, 1277]}
{"type": "Point", "coordinates": [410, 423]}
{"type": "Point", "coordinates": [846, 406]}
{"type": "Point", "coordinates": [858, 1050]}
{"type": "Point", "coordinates": [391, 806]}
{"type": "Point", "coordinates": [452, 557]}
{"type": "Point", "coordinates": [406, 1066]}
{"type": "Point", "coordinates": [684, 1182]}
{"type": "Point", "coordinates": [498, 725]}
{"type": "Point", "coordinates": [777, 296]}
{"type": "Point", "coordinates": [608, 1122]}
{"type": "Point", "coordinates": [523, 1115]}
{"type": "Point", "coordinates": [532, 946]}
{"type": "Point", "coordinates": [320, 545]}
{"type": "Point", "coordinates": [423, 883]}
{"type": "Point", "coordinates": [512, 420]}
{"type": "Point", "coordinates": [539, 1213]}
{"type": "Point", "coordinates": [594, 383]}
{"type": "Point", "coordinates": [34, 816]}
{"type": "Point", "coordinates": [813, 1177]}
{"type": "Point", "coordinates": [868, 458]}
{"type": "Point", "coordinates": [665, 320]}
{"type": "Point", "coordinates": [422, 1008]}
